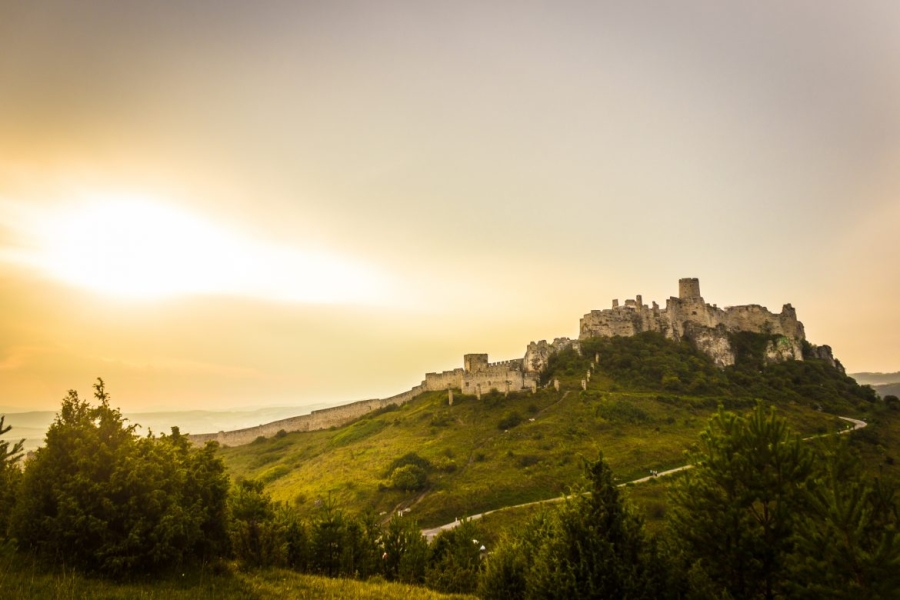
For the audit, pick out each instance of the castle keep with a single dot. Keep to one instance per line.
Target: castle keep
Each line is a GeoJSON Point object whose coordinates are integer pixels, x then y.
{"type": "Point", "coordinates": [686, 316]}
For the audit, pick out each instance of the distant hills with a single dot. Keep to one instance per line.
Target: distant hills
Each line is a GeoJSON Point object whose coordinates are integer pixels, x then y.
{"type": "Point", "coordinates": [886, 384]}
{"type": "Point", "coordinates": [889, 389]}
{"type": "Point", "coordinates": [876, 378]}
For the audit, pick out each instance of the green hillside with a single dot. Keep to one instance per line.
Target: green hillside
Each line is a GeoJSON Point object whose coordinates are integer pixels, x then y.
{"type": "Point", "coordinates": [646, 402]}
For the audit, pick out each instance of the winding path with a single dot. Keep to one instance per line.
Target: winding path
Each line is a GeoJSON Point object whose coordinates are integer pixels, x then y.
{"type": "Point", "coordinates": [430, 533]}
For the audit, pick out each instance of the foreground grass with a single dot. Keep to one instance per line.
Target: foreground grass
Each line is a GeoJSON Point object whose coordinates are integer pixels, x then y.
{"type": "Point", "coordinates": [23, 579]}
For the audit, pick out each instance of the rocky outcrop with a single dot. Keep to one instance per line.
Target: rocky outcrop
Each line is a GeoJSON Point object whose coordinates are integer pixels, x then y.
{"type": "Point", "coordinates": [783, 348]}
{"type": "Point", "coordinates": [712, 341]}
{"type": "Point", "coordinates": [825, 353]}
{"type": "Point", "coordinates": [538, 354]}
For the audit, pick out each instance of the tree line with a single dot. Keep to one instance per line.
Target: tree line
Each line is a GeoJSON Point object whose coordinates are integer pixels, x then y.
{"type": "Point", "coordinates": [760, 515]}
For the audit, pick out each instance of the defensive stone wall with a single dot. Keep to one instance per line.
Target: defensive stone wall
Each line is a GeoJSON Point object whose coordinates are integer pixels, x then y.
{"type": "Point", "coordinates": [445, 380]}
{"type": "Point", "coordinates": [316, 420]}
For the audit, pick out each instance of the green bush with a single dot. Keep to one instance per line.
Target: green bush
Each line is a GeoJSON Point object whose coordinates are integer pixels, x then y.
{"type": "Point", "coordinates": [509, 421]}
{"type": "Point", "coordinates": [103, 499]}
{"type": "Point", "coordinates": [409, 478]}
{"type": "Point", "coordinates": [410, 458]}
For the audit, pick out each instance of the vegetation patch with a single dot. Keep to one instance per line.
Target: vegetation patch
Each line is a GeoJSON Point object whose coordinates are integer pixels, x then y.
{"type": "Point", "coordinates": [357, 431]}
{"type": "Point", "coordinates": [509, 420]}
{"type": "Point", "coordinates": [624, 411]}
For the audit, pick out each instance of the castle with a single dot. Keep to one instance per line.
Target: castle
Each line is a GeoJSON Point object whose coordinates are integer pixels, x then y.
{"type": "Point", "coordinates": [686, 316]}
{"type": "Point", "coordinates": [689, 316]}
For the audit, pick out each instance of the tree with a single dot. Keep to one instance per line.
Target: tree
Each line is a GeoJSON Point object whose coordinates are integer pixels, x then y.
{"type": "Point", "coordinates": [404, 551]}
{"type": "Point", "coordinates": [736, 512]}
{"type": "Point", "coordinates": [454, 560]}
{"type": "Point", "coordinates": [98, 497]}
{"type": "Point", "coordinates": [254, 530]}
{"type": "Point", "coordinates": [409, 478]}
{"type": "Point", "coordinates": [10, 476]}
{"type": "Point", "coordinates": [848, 544]}
{"type": "Point", "coordinates": [595, 548]}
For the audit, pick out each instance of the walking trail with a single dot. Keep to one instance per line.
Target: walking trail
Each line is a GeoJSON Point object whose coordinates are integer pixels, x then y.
{"type": "Point", "coordinates": [430, 533]}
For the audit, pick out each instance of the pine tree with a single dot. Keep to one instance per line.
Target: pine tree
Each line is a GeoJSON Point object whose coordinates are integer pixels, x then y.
{"type": "Point", "coordinates": [848, 544]}
{"type": "Point", "coordinates": [10, 476]}
{"type": "Point", "coordinates": [596, 548]}
{"type": "Point", "coordinates": [735, 513]}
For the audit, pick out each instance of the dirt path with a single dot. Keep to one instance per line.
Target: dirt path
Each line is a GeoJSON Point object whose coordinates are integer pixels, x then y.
{"type": "Point", "coordinates": [430, 533]}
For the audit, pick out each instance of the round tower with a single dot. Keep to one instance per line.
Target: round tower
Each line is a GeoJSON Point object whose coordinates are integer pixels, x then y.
{"type": "Point", "coordinates": [689, 287]}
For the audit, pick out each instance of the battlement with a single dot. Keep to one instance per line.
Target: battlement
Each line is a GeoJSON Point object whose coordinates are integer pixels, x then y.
{"type": "Point", "coordinates": [515, 363]}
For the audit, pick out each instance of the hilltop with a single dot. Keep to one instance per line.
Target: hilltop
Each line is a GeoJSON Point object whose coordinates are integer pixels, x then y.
{"type": "Point", "coordinates": [687, 317]}
{"type": "Point", "coordinates": [643, 405]}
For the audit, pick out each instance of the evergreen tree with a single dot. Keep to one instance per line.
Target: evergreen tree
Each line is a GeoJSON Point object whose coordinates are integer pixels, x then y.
{"type": "Point", "coordinates": [10, 476]}
{"type": "Point", "coordinates": [404, 551]}
{"type": "Point", "coordinates": [735, 513]}
{"type": "Point", "coordinates": [595, 548]}
{"type": "Point", "coordinates": [254, 530]}
{"type": "Point", "coordinates": [848, 545]}
{"type": "Point", "coordinates": [454, 560]}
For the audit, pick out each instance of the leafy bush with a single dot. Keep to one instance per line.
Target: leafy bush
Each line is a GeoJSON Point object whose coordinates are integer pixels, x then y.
{"type": "Point", "coordinates": [410, 458]}
{"type": "Point", "coordinates": [409, 478]}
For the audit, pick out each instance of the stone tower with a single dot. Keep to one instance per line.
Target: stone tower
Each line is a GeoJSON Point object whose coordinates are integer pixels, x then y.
{"type": "Point", "coordinates": [475, 363]}
{"type": "Point", "coordinates": [689, 288]}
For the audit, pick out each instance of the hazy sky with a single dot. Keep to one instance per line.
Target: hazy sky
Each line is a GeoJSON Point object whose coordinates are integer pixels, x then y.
{"type": "Point", "coordinates": [217, 204]}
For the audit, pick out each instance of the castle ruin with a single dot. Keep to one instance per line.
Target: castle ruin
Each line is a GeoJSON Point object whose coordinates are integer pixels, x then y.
{"type": "Point", "coordinates": [686, 316]}
{"type": "Point", "coordinates": [689, 316]}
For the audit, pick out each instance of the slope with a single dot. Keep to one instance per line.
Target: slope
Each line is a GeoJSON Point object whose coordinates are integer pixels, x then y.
{"type": "Point", "coordinates": [645, 403]}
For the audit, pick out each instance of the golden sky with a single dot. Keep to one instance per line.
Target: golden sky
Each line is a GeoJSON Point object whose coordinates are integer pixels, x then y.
{"type": "Point", "coordinates": [222, 204]}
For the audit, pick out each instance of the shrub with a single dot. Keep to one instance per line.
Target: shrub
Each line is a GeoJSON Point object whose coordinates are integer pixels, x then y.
{"type": "Point", "coordinates": [410, 458]}
{"type": "Point", "coordinates": [409, 478]}
{"type": "Point", "coordinates": [111, 502]}
{"type": "Point", "coordinates": [509, 420]}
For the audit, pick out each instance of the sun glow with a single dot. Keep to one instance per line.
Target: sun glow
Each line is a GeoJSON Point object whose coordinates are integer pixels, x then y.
{"type": "Point", "coordinates": [134, 247]}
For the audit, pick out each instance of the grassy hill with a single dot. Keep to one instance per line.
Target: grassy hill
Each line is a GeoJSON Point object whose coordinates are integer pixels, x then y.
{"type": "Point", "coordinates": [647, 400]}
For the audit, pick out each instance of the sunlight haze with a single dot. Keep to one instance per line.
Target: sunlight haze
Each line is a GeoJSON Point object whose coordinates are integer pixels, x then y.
{"type": "Point", "coordinates": [229, 204]}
